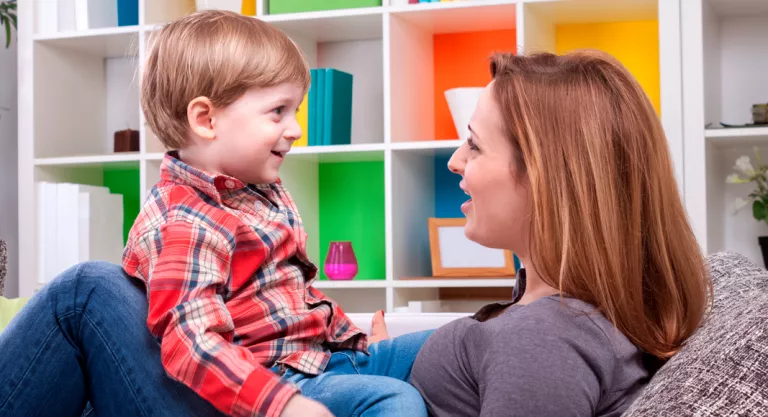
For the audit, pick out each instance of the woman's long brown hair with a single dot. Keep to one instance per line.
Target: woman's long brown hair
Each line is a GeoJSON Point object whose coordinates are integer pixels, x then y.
{"type": "Point", "coordinates": [609, 227]}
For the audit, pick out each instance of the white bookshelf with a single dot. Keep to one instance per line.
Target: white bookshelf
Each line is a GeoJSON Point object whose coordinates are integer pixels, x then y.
{"type": "Point", "coordinates": [77, 87]}
{"type": "Point", "coordinates": [725, 59]}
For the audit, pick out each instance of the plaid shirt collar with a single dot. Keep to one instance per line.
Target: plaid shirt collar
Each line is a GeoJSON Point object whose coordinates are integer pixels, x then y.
{"type": "Point", "coordinates": [214, 185]}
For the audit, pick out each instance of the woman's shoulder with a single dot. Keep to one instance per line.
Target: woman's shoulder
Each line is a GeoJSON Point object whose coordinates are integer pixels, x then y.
{"type": "Point", "coordinates": [563, 323]}
{"type": "Point", "coordinates": [570, 319]}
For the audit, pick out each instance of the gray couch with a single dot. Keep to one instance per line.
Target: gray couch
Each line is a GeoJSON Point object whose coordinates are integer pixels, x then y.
{"type": "Point", "coordinates": [723, 368]}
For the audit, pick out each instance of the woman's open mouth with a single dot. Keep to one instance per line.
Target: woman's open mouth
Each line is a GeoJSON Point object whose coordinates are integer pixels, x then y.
{"type": "Point", "coordinates": [467, 204]}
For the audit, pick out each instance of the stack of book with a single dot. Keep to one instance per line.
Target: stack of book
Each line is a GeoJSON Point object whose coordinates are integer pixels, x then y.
{"type": "Point", "coordinates": [326, 114]}
{"type": "Point", "coordinates": [78, 15]}
{"type": "Point", "coordinates": [77, 223]}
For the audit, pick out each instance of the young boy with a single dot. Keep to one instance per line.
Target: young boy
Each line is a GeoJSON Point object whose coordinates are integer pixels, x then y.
{"type": "Point", "coordinates": [220, 244]}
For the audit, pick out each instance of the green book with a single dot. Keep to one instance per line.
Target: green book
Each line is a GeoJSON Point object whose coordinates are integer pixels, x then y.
{"type": "Point", "coordinates": [298, 6]}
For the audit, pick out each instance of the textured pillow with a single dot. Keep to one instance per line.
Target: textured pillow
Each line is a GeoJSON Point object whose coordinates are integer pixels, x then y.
{"type": "Point", "coordinates": [723, 368]}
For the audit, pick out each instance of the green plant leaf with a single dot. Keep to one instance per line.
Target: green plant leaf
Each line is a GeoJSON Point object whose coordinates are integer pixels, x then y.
{"type": "Point", "coordinates": [758, 210]}
{"type": "Point", "coordinates": [7, 32]}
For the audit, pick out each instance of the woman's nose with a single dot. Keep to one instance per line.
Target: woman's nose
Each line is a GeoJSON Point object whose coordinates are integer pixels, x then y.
{"type": "Point", "coordinates": [457, 162]}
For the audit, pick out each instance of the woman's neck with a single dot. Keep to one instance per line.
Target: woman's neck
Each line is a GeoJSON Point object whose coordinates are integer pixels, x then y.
{"type": "Point", "coordinates": [535, 288]}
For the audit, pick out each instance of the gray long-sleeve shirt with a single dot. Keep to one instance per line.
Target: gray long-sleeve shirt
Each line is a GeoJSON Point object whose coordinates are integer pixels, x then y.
{"type": "Point", "coordinates": [547, 358]}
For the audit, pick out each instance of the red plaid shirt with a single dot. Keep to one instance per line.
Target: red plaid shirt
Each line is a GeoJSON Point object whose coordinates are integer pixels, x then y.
{"type": "Point", "coordinates": [230, 289]}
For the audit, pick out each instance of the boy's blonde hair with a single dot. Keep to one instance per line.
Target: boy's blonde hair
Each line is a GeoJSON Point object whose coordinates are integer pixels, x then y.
{"type": "Point", "coordinates": [216, 54]}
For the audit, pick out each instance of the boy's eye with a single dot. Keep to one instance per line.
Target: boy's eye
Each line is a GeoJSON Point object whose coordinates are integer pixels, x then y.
{"type": "Point", "coordinates": [279, 110]}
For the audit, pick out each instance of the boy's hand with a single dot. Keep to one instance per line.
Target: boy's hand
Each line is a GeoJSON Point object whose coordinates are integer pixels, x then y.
{"type": "Point", "coordinates": [378, 328]}
{"type": "Point", "coordinates": [301, 406]}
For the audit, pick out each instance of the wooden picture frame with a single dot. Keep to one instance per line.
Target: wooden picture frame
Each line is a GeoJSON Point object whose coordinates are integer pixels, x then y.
{"type": "Point", "coordinates": [465, 258]}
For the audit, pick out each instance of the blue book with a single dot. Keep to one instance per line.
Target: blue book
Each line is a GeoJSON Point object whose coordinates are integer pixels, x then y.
{"type": "Point", "coordinates": [320, 105]}
{"type": "Point", "coordinates": [313, 120]}
{"type": "Point", "coordinates": [127, 12]}
{"type": "Point", "coordinates": [337, 119]}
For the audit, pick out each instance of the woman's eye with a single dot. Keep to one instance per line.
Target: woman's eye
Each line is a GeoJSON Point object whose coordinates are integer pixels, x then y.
{"type": "Point", "coordinates": [472, 145]}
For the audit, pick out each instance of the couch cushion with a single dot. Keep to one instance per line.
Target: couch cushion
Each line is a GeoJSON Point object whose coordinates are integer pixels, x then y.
{"type": "Point", "coordinates": [8, 309]}
{"type": "Point", "coordinates": [723, 368]}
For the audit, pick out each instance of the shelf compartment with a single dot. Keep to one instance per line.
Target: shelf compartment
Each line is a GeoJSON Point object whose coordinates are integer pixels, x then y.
{"type": "Point", "coordinates": [358, 300]}
{"type": "Point", "coordinates": [341, 201]}
{"type": "Point", "coordinates": [463, 299]}
{"type": "Point", "coordinates": [735, 60]}
{"type": "Point", "coordinates": [120, 177]}
{"type": "Point", "coordinates": [627, 30]}
{"type": "Point", "coordinates": [355, 51]}
{"type": "Point", "coordinates": [438, 48]}
{"type": "Point", "coordinates": [73, 83]}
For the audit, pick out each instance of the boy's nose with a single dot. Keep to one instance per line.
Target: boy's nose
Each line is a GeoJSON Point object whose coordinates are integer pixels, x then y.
{"type": "Point", "coordinates": [294, 131]}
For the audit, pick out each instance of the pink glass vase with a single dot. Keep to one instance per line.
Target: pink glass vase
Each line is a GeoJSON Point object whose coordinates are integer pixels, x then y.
{"type": "Point", "coordinates": [340, 263]}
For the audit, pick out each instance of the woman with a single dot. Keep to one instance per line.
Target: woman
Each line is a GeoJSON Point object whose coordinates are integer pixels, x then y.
{"type": "Point", "coordinates": [567, 166]}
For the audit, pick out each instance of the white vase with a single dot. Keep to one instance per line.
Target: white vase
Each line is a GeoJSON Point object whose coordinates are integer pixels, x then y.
{"type": "Point", "coordinates": [462, 102]}
{"type": "Point", "coordinates": [231, 5]}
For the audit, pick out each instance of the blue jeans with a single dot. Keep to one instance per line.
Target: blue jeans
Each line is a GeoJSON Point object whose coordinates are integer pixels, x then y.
{"type": "Point", "coordinates": [354, 384]}
{"type": "Point", "coordinates": [83, 338]}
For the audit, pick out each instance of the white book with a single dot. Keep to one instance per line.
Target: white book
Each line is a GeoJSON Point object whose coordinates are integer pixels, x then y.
{"type": "Point", "coordinates": [67, 217]}
{"type": "Point", "coordinates": [114, 236]}
{"type": "Point", "coordinates": [106, 237]}
{"type": "Point", "coordinates": [48, 210]}
{"type": "Point", "coordinates": [66, 15]}
{"type": "Point", "coordinates": [47, 16]}
{"type": "Point", "coordinates": [93, 14]}
{"type": "Point", "coordinates": [90, 201]}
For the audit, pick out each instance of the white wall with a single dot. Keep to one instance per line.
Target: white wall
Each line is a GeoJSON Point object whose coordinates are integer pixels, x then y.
{"type": "Point", "coordinates": [8, 162]}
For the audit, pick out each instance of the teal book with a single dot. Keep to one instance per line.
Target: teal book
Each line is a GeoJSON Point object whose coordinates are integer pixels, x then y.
{"type": "Point", "coordinates": [337, 119]}
{"type": "Point", "coordinates": [320, 105]}
{"type": "Point", "coordinates": [312, 125]}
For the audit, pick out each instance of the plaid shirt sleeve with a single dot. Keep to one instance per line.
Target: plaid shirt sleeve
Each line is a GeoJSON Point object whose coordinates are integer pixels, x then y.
{"type": "Point", "coordinates": [186, 266]}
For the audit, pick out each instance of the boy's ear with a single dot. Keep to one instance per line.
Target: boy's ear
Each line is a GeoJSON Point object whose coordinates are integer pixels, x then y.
{"type": "Point", "coordinates": [199, 117]}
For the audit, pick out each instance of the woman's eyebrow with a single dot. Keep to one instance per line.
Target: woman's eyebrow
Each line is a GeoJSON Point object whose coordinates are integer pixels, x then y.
{"type": "Point", "coordinates": [473, 131]}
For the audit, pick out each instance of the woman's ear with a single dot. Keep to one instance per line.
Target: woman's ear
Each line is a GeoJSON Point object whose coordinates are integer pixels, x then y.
{"type": "Point", "coordinates": [200, 117]}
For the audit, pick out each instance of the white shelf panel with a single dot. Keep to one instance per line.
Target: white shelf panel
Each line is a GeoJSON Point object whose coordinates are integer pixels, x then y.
{"type": "Point", "coordinates": [361, 284]}
{"type": "Point", "coordinates": [331, 25]}
{"type": "Point", "coordinates": [454, 283]}
{"type": "Point", "coordinates": [339, 153]}
{"type": "Point", "coordinates": [106, 42]}
{"type": "Point", "coordinates": [336, 153]}
{"type": "Point", "coordinates": [747, 136]}
{"type": "Point", "coordinates": [426, 144]}
{"type": "Point", "coordinates": [460, 16]}
{"type": "Point", "coordinates": [88, 160]}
